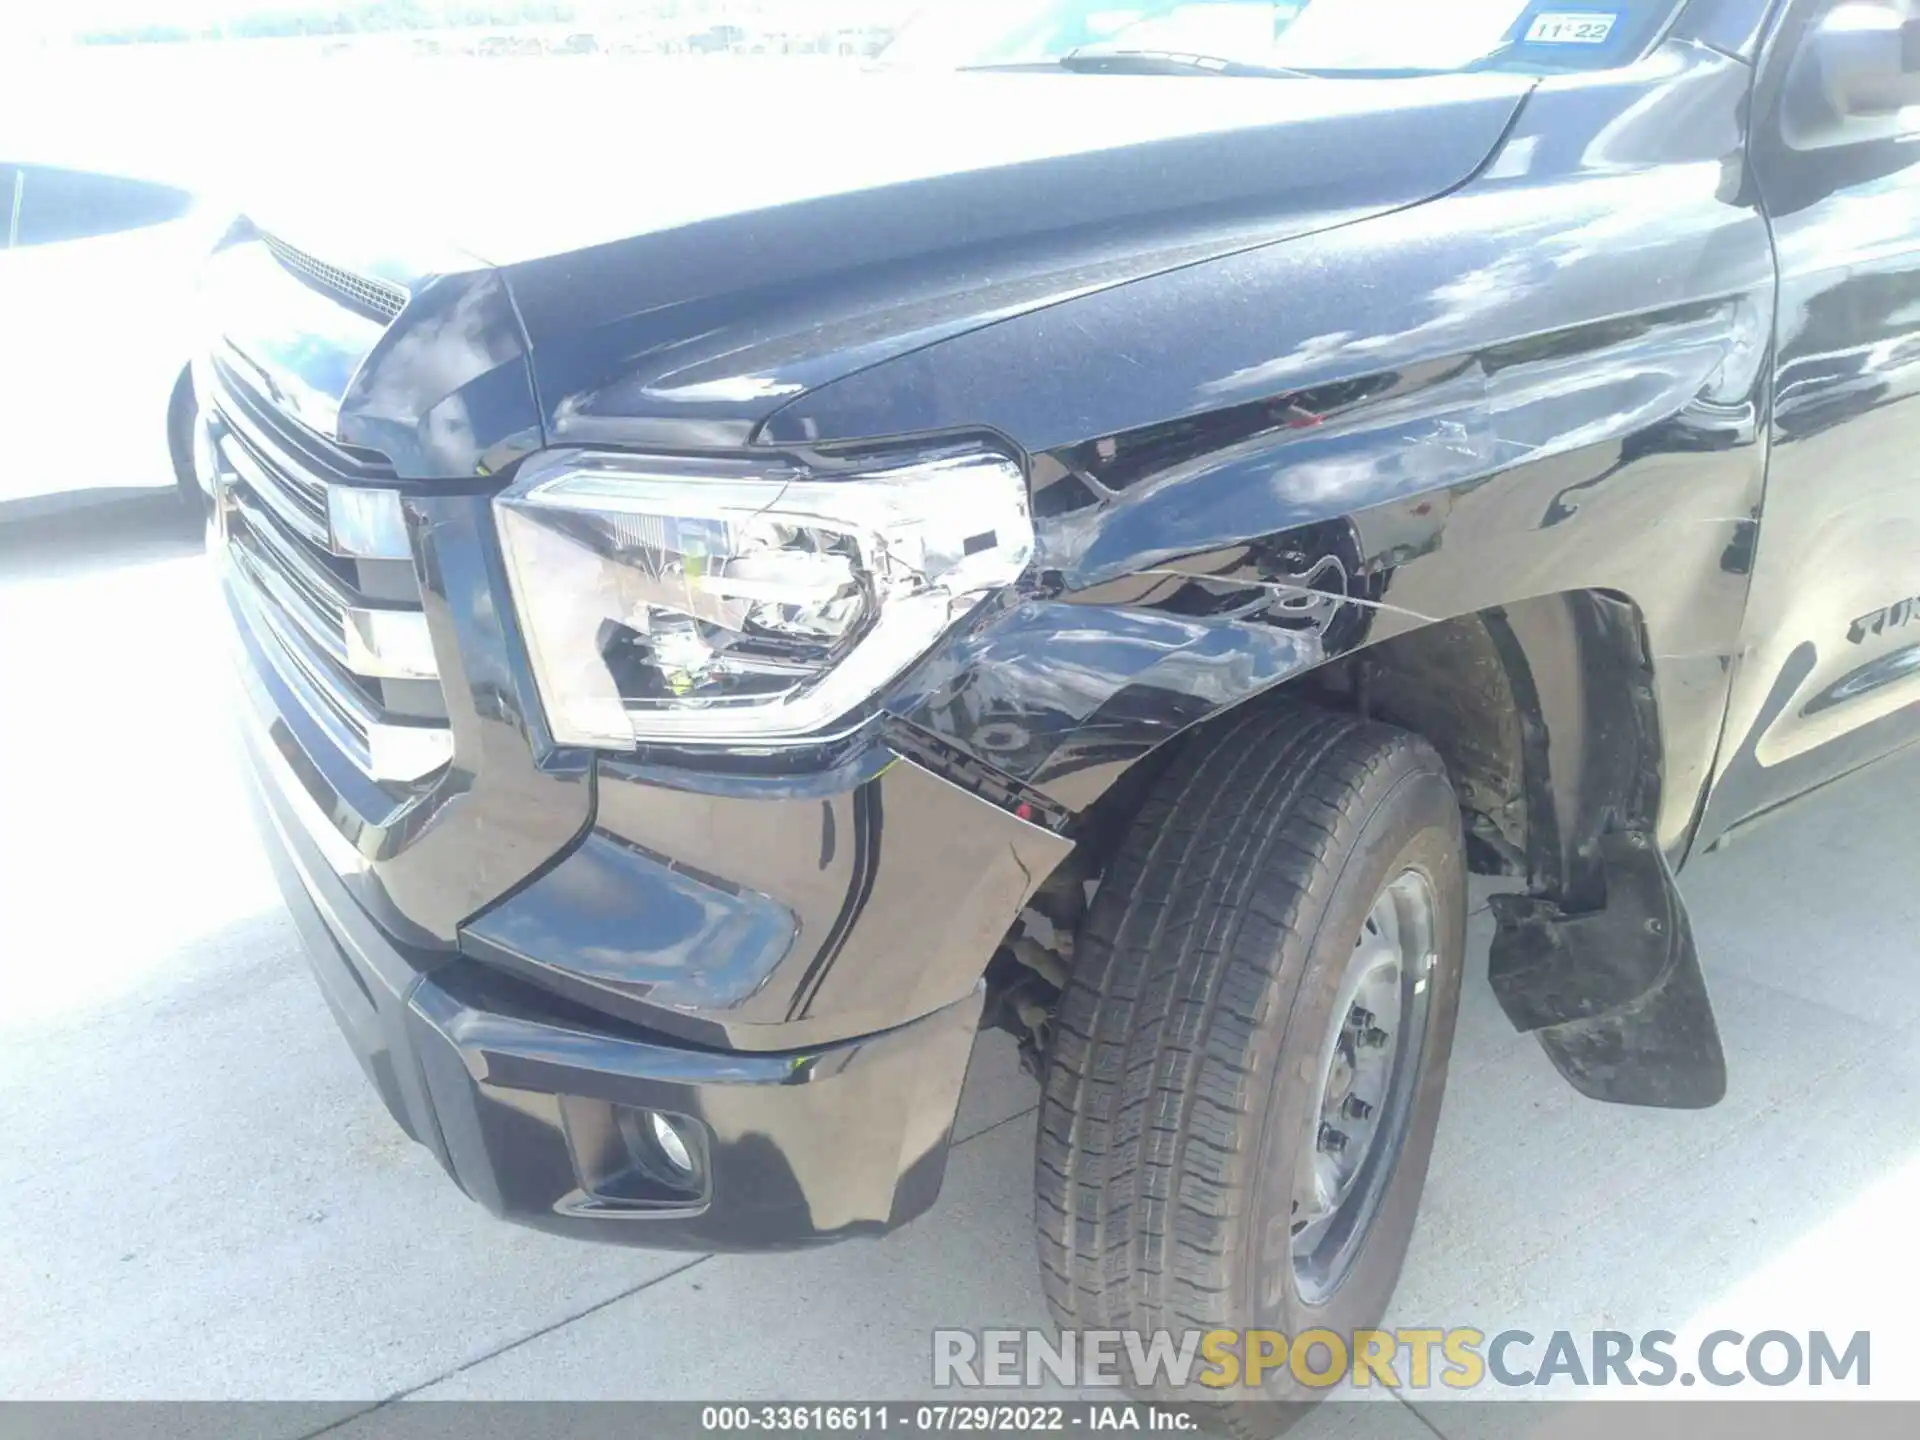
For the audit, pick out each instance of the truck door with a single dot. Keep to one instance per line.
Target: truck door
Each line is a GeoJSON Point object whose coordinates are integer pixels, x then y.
{"type": "Point", "coordinates": [1829, 672]}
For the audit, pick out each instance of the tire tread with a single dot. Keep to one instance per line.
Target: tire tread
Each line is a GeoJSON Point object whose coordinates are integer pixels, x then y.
{"type": "Point", "coordinates": [1145, 1135]}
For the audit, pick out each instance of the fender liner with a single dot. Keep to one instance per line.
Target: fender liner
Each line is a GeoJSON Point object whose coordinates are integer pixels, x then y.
{"type": "Point", "coordinates": [1598, 958]}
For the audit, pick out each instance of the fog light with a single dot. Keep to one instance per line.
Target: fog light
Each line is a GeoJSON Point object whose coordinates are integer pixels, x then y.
{"type": "Point", "coordinates": [670, 1143]}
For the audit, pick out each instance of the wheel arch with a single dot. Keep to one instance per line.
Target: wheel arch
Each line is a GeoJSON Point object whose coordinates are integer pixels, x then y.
{"type": "Point", "coordinates": [1545, 711]}
{"type": "Point", "coordinates": [1546, 714]}
{"type": "Point", "coordinates": [1551, 727]}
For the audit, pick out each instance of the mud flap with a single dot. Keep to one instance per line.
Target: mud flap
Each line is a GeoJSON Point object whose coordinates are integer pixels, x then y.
{"type": "Point", "coordinates": [1615, 994]}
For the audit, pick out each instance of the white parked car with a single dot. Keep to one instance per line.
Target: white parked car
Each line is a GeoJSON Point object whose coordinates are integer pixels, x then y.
{"type": "Point", "coordinates": [96, 277]}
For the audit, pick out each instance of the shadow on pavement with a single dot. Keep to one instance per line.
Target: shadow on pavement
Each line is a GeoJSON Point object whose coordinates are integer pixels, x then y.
{"type": "Point", "coordinates": [137, 530]}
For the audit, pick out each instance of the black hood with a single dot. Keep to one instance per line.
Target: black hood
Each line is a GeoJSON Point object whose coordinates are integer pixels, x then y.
{"type": "Point", "coordinates": [687, 256]}
{"type": "Point", "coordinates": [892, 212]}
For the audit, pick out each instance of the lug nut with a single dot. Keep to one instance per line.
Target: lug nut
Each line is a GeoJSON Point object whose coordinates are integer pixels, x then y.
{"type": "Point", "coordinates": [1359, 1019]}
{"type": "Point", "coordinates": [1331, 1140]}
{"type": "Point", "coordinates": [1373, 1037]}
{"type": "Point", "coordinates": [1356, 1109]}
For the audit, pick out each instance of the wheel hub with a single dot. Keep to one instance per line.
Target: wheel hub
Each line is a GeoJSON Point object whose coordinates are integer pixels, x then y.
{"type": "Point", "coordinates": [1364, 1084]}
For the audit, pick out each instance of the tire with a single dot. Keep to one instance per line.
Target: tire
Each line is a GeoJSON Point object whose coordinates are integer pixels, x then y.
{"type": "Point", "coordinates": [180, 417]}
{"type": "Point", "coordinates": [1183, 1082]}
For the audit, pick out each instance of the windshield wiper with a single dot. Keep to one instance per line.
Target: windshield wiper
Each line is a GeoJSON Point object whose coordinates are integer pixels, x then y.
{"type": "Point", "coordinates": [1168, 62]}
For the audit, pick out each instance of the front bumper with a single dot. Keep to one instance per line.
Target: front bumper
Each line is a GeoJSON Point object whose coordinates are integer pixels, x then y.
{"type": "Point", "coordinates": [539, 1108]}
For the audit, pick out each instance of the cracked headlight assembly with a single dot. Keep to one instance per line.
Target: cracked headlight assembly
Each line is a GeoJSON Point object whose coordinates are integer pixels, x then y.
{"type": "Point", "coordinates": [720, 602]}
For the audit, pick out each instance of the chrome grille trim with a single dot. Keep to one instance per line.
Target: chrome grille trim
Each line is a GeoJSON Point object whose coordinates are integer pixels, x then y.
{"type": "Point", "coordinates": [329, 645]}
{"type": "Point", "coordinates": [379, 748]}
{"type": "Point", "coordinates": [348, 631]}
{"type": "Point", "coordinates": [343, 703]}
{"type": "Point", "coordinates": [296, 561]}
{"type": "Point", "coordinates": [294, 507]}
{"type": "Point", "coordinates": [379, 298]}
{"type": "Point", "coordinates": [284, 440]}
{"type": "Point", "coordinates": [328, 631]}
{"type": "Point", "coordinates": [318, 456]}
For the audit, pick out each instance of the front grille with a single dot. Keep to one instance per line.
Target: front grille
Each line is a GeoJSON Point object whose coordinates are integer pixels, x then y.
{"type": "Point", "coordinates": [376, 298]}
{"type": "Point", "coordinates": [317, 618]}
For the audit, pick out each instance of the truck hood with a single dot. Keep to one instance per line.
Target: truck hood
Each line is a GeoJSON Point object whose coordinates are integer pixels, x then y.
{"type": "Point", "coordinates": [573, 161]}
{"type": "Point", "coordinates": [689, 254]}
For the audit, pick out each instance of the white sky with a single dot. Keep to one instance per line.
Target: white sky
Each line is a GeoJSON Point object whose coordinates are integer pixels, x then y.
{"type": "Point", "coordinates": [60, 18]}
{"type": "Point", "coordinates": [107, 14]}
{"type": "Point", "coordinates": [67, 17]}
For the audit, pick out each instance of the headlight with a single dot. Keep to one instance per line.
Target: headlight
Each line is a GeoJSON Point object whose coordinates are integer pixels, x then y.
{"type": "Point", "coordinates": [718, 602]}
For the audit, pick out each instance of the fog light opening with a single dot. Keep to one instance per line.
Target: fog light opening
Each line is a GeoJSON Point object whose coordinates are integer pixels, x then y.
{"type": "Point", "coordinates": [627, 1157]}
{"type": "Point", "coordinates": [672, 1147]}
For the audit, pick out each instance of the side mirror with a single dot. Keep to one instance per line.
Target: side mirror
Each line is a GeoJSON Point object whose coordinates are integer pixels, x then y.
{"type": "Point", "coordinates": [1856, 71]}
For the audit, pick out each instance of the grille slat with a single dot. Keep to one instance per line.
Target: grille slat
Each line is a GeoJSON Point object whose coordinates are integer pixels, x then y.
{"type": "Point", "coordinates": [327, 631]}
{"type": "Point", "coordinates": [377, 298]}
{"type": "Point", "coordinates": [301, 602]}
{"type": "Point", "coordinates": [344, 705]}
{"type": "Point", "coordinates": [301, 512]}
{"type": "Point", "coordinates": [378, 745]}
{"type": "Point", "coordinates": [296, 560]}
{"type": "Point", "coordinates": [307, 458]}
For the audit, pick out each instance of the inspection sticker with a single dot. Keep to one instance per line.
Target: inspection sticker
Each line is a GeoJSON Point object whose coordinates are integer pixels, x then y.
{"type": "Point", "coordinates": [1585, 27]}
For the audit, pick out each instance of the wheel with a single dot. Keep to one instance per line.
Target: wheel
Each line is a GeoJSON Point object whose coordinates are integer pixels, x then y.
{"type": "Point", "coordinates": [1249, 1057]}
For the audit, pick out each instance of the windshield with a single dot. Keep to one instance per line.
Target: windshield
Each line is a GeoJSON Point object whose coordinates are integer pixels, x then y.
{"type": "Point", "coordinates": [1317, 36]}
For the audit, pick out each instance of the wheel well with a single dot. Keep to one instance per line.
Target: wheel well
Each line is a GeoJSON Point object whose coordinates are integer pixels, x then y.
{"type": "Point", "coordinates": [1452, 684]}
{"type": "Point", "coordinates": [1543, 711]}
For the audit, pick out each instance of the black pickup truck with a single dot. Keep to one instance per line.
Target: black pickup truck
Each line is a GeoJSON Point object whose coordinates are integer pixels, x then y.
{"type": "Point", "coordinates": [1079, 532]}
